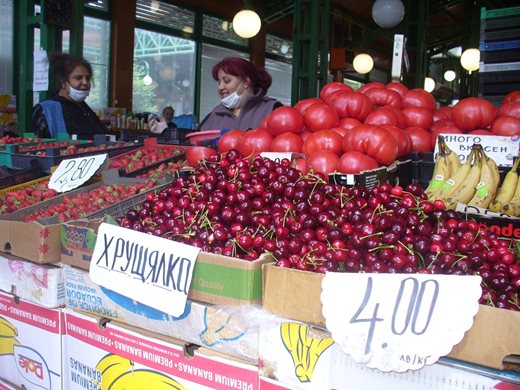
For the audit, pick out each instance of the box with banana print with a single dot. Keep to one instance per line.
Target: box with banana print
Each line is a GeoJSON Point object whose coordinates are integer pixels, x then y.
{"type": "Point", "coordinates": [294, 355]}
{"type": "Point", "coordinates": [121, 357]}
{"type": "Point", "coordinates": [30, 344]}
{"type": "Point", "coordinates": [221, 328]}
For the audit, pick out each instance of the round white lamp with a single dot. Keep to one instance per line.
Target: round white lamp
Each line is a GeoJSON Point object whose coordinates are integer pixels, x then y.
{"type": "Point", "coordinates": [470, 59]}
{"type": "Point", "coordinates": [388, 13]}
{"type": "Point", "coordinates": [429, 84]}
{"type": "Point", "coordinates": [363, 63]}
{"type": "Point", "coordinates": [147, 80]}
{"type": "Point", "coordinates": [449, 75]}
{"type": "Point", "coordinates": [246, 23]}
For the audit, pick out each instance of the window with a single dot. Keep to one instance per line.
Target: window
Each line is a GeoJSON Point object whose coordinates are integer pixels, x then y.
{"type": "Point", "coordinates": [6, 47]}
{"type": "Point", "coordinates": [164, 73]}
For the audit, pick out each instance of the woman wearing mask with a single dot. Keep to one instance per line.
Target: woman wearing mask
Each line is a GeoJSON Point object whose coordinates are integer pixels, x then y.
{"type": "Point", "coordinates": [67, 112]}
{"type": "Point", "coordinates": [242, 88]}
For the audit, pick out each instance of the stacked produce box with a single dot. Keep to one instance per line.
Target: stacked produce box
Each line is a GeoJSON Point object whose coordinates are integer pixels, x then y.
{"type": "Point", "coordinates": [258, 270]}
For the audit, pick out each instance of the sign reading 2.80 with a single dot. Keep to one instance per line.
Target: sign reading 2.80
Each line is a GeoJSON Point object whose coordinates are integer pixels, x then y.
{"type": "Point", "coordinates": [398, 322]}
{"type": "Point", "coordinates": [72, 173]}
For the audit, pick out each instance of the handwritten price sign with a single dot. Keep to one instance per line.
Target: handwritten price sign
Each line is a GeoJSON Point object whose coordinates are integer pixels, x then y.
{"type": "Point", "coordinates": [399, 322]}
{"type": "Point", "coordinates": [74, 172]}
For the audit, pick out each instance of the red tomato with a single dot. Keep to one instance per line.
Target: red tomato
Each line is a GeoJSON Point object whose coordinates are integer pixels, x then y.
{"type": "Point", "coordinates": [473, 113]}
{"type": "Point", "coordinates": [418, 117]}
{"type": "Point", "coordinates": [196, 154]}
{"type": "Point", "coordinates": [397, 87]}
{"type": "Point", "coordinates": [323, 140]}
{"type": "Point", "coordinates": [253, 142]}
{"type": "Point", "coordinates": [512, 97]}
{"type": "Point", "coordinates": [301, 165]}
{"type": "Point", "coordinates": [305, 134]}
{"type": "Point", "coordinates": [340, 130]}
{"type": "Point", "coordinates": [351, 105]}
{"type": "Point", "coordinates": [349, 123]}
{"type": "Point", "coordinates": [229, 140]}
{"type": "Point", "coordinates": [506, 125]}
{"type": "Point", "coordinates": [332, 87]}
{"type": "Point", "coordinates": [287, 142]}
{"type": "Point", "coordinates": [263, 124]}
{"type": "Point", "coordinates": [319, 117]}
{"type": "Point", "coordinates": [284, 119]}
{"type": "Point", "coordinates": [418, 97]}
{"type": "Point", "coordinates": [303, 104]}
{"type": "Point", "coordinates": [377, 142]}
{"type": "Point", "coordinates": [323, 161]}
{"type": "Point", "coordinates": [384, 97]}
{"type": "Point", "coordinates": [434, 134]}
{"type": "Point", "coordinates": [403, 139]}
{"type": "Point", "coordinates": [386, 116]}
{"type": "Point", "coordinates": [509, 109]}
{"type": "Point", "coordinates": [442, 113]}
{"type": "Point", "coordinates": [421, 139]}
{"type": "Point", "coordinates": [480, 132]}
{"type": "Point", "coordinates": [372, 84]}
{"type": "Point", "coordinates": [356, 162]}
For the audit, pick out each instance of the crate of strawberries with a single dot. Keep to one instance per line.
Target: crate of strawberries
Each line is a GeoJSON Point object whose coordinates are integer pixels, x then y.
{"type": "Point", "coordinates": [9, 143]}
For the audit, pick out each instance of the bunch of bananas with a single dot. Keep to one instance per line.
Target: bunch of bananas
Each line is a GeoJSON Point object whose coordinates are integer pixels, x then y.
{"type": "Point", "coordinates": [446, 164]}
{"type": "Point", "coordinates": [507, 200]}
{"type": "Point", "coordinates": [474, 183]}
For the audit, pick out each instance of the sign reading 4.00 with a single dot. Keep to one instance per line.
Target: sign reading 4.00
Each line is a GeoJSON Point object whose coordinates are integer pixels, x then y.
{"type": "Point", "coordinates": [74, 172]}
{"type": "Point", "coordinates": [399, 322]}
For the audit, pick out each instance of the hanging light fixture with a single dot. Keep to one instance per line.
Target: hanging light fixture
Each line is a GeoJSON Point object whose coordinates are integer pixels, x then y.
{"type": "Point", "coordinates": [388, 13]}
{"type": "Point", "coordinates": [147, 79]}
{"type": "Point", "coordinates": [470, 59]}
{"type": "Point", "coordinates": [449, 75]}
{"type": "Point", "coordinates": [429, 84]}
{"type": "Point", "coordinates": [363, 63]}
{"type": "Point", "coordinates": [246, 22]}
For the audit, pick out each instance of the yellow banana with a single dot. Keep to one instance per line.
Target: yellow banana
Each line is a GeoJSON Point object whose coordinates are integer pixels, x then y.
{"type": "Point", "coordinates": [111, 367]}
{"type": "Point", "coordinates": [494, 169]}
{"type": "Point", "coordinates": [453, 159]}
{"type": "Point", "coordinates": [465, 191]}
{"type": "Point", "coordinates": [7, 345]}
{"type": "Point", "coordinates": [487, 185]}
{"type": "Point", "coordinates": [7, 329]}
{"type": "Point", "coordinates": [305, 351]}
{"type": "Point", "coordinates": [507, 189]}
{"type": "Point", "coordinates": [144, 379]}
{"type": "Point", "coordinates": [513, 206]}
{"type": "Point", "coordinates": [441, 170]}
{"type": "Point", "coordinates": [455, 180]}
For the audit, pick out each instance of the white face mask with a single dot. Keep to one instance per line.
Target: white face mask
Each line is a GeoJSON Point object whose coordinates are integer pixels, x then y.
{"type": "Point", "coordinates": [78, 95]}
{"type": "Point", "coordinates": [232, 101]}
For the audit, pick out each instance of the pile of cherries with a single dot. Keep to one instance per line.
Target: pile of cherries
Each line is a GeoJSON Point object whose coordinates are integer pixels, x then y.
{"type": "Point", "coordinates": [245, 207]}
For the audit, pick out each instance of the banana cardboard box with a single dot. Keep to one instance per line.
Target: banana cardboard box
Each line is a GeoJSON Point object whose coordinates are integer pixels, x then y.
{"type": "Point", "coordinates": [124, 358]}
{"type": "Point", "coordinates": [295, 355]}
{"type": "Point", "coordinates": [30, 344]}
{"type": "Point", "coordinates": [42, 284]}
{"type": "Point", "coordinates": [6, 385]}
{"type": "Point", "coordinates": [221, 328]}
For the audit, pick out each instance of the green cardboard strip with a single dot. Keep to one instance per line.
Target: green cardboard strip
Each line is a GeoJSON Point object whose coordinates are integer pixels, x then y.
{"type": "Point", "coordinates": [227, 281]}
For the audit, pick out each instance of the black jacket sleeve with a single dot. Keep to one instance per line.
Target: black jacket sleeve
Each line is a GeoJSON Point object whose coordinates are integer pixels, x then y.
{"type": "Point", "coordinates": [39, 124]}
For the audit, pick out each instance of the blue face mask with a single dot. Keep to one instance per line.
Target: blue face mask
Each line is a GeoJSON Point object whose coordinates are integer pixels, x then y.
{"type": "Point", "coordinates": [77, 94]}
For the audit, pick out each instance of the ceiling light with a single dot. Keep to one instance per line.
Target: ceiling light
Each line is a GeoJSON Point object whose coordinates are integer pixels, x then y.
{"type": "Point", "coordinates": [470, 59]}
{"type": "Point", "coordinates": [388, 13]}
{"type": "Point", "coordinates": [449, 75]}
{"type": "Point", "coordinates": [363, 63]}
{"type": "Point", "coordinates": [429, 84]}
{"type": "Point", "coordinates": [246, 23]}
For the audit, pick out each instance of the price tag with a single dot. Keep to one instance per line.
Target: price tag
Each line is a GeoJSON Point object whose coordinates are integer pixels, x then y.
{"type": "Point", "coordinates": [279, 156]}
{"type": "Point", "coordinates": [399, 322]}
{"type": "Point", "coordinates": [501, 149]}
{"type": "Point", "coordinates": [151, 270]}
{"type": "Point", "coordinates": [74, 172]}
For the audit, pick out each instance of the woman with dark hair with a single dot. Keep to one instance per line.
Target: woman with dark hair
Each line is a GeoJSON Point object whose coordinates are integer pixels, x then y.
{"type": "Point", "coordinates": [66, 111]}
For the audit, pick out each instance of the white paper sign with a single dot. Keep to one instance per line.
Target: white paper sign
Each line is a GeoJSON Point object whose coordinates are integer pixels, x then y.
{"type": "Point", "coordinates": [398, 322]}
{"type": "Point", "coordinates": [279, 156]}
{"type": "Point", "coordinates": [74, 172]}
{"type": "Point", "coordinates": [151, 270]}
{"type": "Point", "coordinates": [41, 71]}
{"type": "Point", "coordinates": [501, 149]}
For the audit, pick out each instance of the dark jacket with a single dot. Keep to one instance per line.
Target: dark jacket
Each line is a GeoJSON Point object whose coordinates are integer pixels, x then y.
{"type": "Point", "coordinates": [79, 119]}
{"type": "Point", "coordinates": [256, 108]}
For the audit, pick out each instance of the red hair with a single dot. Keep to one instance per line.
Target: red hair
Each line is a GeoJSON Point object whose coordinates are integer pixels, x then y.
{"type": "Point", "coordinates": [239, 67]}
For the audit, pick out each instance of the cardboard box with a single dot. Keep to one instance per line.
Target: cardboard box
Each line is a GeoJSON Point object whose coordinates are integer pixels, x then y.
{"type": "Point", "coordinates": [504, 226]}
{"type": "Point", "coordinates": [4, 385]}
{"type": "Point", "coordinates": [127, 358]}
{"type": "Point", "coordinates": [216, 279]}
{"type": "Point", "coordinates": [225, 329]}
{"type": "Point", "coordinates": [30, 344]}
{"type": "Point", "coordinates": [492, 341]}
{"type": "Point", "coordinates": [314, 361]}
{"type": "Point", "coordinates": [42, 284]}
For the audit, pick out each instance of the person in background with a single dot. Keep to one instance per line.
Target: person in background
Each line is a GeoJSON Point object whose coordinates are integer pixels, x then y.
{"type": "Point", "coordinates": [66, 111]}
{"type": "Point", "coordinates": [168, 112]}
{"type": "Point", "coordinates": [242, 88]}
